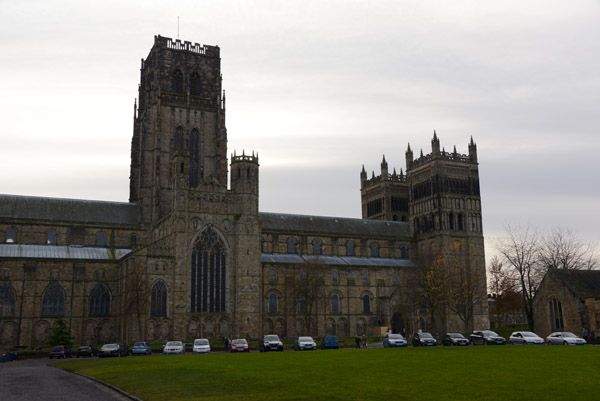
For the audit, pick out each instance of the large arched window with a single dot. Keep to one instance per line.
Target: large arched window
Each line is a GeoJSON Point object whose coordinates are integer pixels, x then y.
{"type": "Point", "coordinates": [7, 300]}
{"type": "Point", "coordinates": [209, 263]}
{"type": "Point", "coordinates": [177, 81]}
{"type": "Point", "coordinates": [194, 158]}
{"type": "Point", "coordinates": [366, 304]}
{"type": "Point", "coordinates": [53, 301]}
{"type": "Point", "coordinates": [335, 303]}
{"type": "Point", "coordinates": [158, 304]}
{"type": "Point", "coordinates": [556, 316]}
{"type": "Point", "coordinates": [272, 304]}
{"type": "Point", "coordinates": [195, 84]}
{"type": "Point", "coordinates": [100, 301]}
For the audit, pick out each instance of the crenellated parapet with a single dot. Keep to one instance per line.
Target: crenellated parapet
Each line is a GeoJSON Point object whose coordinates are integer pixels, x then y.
{"type": "Point", "coordinates": [176, 44]}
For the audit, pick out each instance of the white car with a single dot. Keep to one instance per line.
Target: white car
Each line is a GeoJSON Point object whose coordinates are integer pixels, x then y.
{"type": "Point", "coordinates": [305, 343]}
{"type": "Point", "coordinates": [174, 348]}
{"type": "Point", "coordinates": [564, 338]}
{"type": "Point", "coordinates": [201, 346]}
{"type": "Point", "coordinates": [524, 338]}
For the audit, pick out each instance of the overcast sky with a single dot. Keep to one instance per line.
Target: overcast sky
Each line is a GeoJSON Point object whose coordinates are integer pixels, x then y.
{"type": "Point", "coordinates": [319, 88]}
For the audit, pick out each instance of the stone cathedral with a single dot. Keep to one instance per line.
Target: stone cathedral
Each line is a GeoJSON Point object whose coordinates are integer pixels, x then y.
{"type": "Point", "coordinates": [190, 255]}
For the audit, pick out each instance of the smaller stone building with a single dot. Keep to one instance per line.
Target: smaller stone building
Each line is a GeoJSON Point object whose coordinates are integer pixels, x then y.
{"type": "Point", "coordinates": [567, 300]}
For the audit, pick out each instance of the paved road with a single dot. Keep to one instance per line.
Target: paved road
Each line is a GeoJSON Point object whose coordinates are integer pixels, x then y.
{"type": "Point", "coordinates": [33, 380]}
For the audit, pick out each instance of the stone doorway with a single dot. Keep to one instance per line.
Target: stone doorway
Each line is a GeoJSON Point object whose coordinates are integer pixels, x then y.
{"type": "Point", "coordinates": [398, 324]}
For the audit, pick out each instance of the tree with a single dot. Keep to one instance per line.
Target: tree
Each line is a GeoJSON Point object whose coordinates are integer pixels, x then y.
{"type": "Point", "coordinates": [306, 285]}
{"type": "Point", "coordinates": [507, 300]}
{"type": "Point", "coordinates": [520, 249]}
{"type": "Point", "coordinates": [60, 335]}
{"type": "Point", "coordinates": [433, 285]}
{"type": "Point", "coordinates": [562, 250]}
{"type": "Point", "coordinates": [135, 295]}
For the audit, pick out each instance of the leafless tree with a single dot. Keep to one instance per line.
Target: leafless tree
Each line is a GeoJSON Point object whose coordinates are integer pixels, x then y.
{"type": "Point", "coordinates": [135, 295]}
{"type": "Point", "coordinates": [520, 249]}
{"type": "Point", "coordinates": [306, 285]}
{"type": "Point", "coordinates": [434, 277]}
{"type": "Point", "coordinates": [507, 300]}
{"type": "Point", "coordinates": [560, 249]}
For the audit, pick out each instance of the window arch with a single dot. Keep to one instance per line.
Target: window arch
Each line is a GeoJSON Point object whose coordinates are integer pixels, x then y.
{"type": "Point", "coordinates": [349, 248]}
{"type": "Point", "coordinates": [178, 138]}
{"type": "Point", "coordinates": [272, 304]}
{"type": "Point", "coordinates": [209, 266]}
{"type": "Point", "coordinates": [374, 250]}
{"type": "Point", "coordinates": [334, 276]}
{"type": "Point", "coordinates": [7, 300]}
{"type": "Point", "coordinates": [100, 240]}
{"type": "Point", "coordinates": [177, 81]}
{"type": "Point", "coordinates": [272, 275]}
{"type": "Point", "coordinates": [556, 316]}
{"type": "Point", "coordinates": [316, 247]}
{"type": "Point", "coordinates": [394, 278]}
{"type": "Point", "coordinates": [195, 84]}
{"type": "Point", "coordinates": [10, 236]}
{"type": "Point", "coordinates": [51, 238]}
{"type": "Point", "coordinates": [158, 303]}
{"type": "Point", "coordinates": [133, 240]}
{"type": "Point", "coordinates": [365, 277]}
{"type": "Point", "coordinates": [194, 158]}
{"type": "Point", "coordinates": [53, 301]}
{"type": "Point", "coordinates": [291, 245]}
{"type": "Point", "coordinates": [366, 304]}
{"type": "Point", "coordinates": [100, 301]}
{"type": "Point", "coordinates": [335, 303]}
{"type": "Point", "coordinates": [403, 253]}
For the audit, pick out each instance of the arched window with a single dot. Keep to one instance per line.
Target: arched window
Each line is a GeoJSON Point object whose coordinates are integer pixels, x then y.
{"type": "Point", "coordinates": [53, 301]}
{"type": "Point", "coordinates": [365, 278]}
{"type": "Point", "coordinates": [366, 304]}
{"type": "Point", "coordinates": [394, 278]}
{"type": "Point", "coordinates": [209, 266]}
{"type": "Point", "coordinates": [272, 304]}
{"type": "Point", "coordinates": [374, 250]}
{"type": "Point", "coordinates": [100, 240]}
{"type": "Point", "coordinates": [51, 238]}
{"type": "Point", "coordinates": [133, 240]}
{"type": "Point", "coordinates": [403, 253]}
{"type": "Point", "coordinates": [460, 222]}
{"type": "Point", "coordinates": [316, 247]}
{"type": "Point", "coordinates": [158, 303]}
{"type": "Point", "coordinates": [195, 84]}
{"type": "Point", "coordinates": [291, 245]}
{"type": "Point", "coordinates": [100, 301]}
{"type": "Point", "coordinates": [272, 275]}
{"type": "Point", "coordinates": [194, 158]}
{"type": "Point", "coordinates": [556, 316]}
{"type": "Point", "coordinates": [334, 276]}
{"type": "Point", "coordinates": [7, 300]}
{"type": "Point", "coordinates": [178, 138]}
{"type": "Point", "coordinates": [349, 248]}
{"type": "Point", "coordinates": [10, 236]}
{"type": "Point", "coordinates": [177, 81]}
{"type": "Point", "coordinates": [335, 303]}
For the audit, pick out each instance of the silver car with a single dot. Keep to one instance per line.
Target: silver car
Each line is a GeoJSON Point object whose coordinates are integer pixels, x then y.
{"type": "Point", "coordinates": [174, 347]}
{"type": "Point", "coordinates": [524, 338]}
{"type": "Point", "coordinates": [201, 346]}
{"type": "Point", "coordinates": [564, 338]}
{"type": "Point", "coordinates": [305, 343]}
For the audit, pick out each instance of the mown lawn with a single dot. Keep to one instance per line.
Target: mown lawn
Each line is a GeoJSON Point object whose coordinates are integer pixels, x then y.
{"type": "Point", "coordinates": [470, 373]}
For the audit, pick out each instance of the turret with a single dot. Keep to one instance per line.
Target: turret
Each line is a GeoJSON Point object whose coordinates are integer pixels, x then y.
{"type": "Point", "coordinates": [244, 174]}
{"type": "Point", "coordinates": [409, 157]}
{"type": "Point", "coordinates": [363, 177]}
{"type": "Point", "coordinates": [435, 145]}
{"type": "Point", "coordinates": [473, 151]}
{"type": "Point", "coordinates": [384, 169]}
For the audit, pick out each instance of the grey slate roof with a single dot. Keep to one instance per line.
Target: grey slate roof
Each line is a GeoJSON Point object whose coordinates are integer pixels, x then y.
{"type": "Point", "coordinates": [287, 258]}
{"type": "Point", "coordinates": [584, 283]}
{"type": "Point", "coordinates": [16, 207]}
{"type": "Point", "coordinates": [296, 223]}
{"type": "Point", "coordinates": [10, 251]}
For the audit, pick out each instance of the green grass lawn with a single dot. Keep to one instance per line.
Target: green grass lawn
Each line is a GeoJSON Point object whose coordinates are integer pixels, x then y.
{"type": "Point", "coordinates": [470, 373]}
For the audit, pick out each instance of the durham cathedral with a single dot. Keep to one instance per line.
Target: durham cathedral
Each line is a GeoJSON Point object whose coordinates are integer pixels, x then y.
{"type": "Point", "coordinates": [190, 255]}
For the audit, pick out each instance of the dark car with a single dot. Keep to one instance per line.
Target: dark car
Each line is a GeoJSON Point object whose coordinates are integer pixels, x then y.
{"type": "Point", "coordinates": [60, 351]}
{"type": "Point", "coordinates": [271, 342]}
{"type": "Point", "coordinates": [87, 350]}
{"type": "Point", "coordinates": [423, 340]}
{"type": "Point", "coordinates": [455, 339]}
{"type": "Point", "coordinates": [486, 337]}
{"type": "Point", "coordinates": [114, 349]}
{"type": "Point", "coordinates": [330, 342]}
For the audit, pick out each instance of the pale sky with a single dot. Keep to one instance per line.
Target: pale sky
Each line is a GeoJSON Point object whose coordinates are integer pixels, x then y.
{"type": "Point", "coordinates": [319, 88]}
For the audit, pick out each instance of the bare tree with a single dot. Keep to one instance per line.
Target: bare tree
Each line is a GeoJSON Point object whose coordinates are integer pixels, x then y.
{"type": "Point", "coordinates": [135, 295]}
{"type": "Point", "coordinates": [306, 284]}
{"type": "Point", "coordinates": [560, 249]}
{"type": "Point", "coordinates": [433, 286]}
{"type": "Point", "coordinates": [520, 249]}
{"type": "Point", "coordinates": [507, 300]}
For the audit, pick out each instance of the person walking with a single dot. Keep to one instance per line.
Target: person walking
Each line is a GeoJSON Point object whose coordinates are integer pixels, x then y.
{"type": "Point", "coordinates": [584, 334]}
{"type": "Point", "coordinates": [364, 341]}
{"type": "Point", "coordinates": [593, 337]}
{"type": "Point", "coordinates": [357, 342]}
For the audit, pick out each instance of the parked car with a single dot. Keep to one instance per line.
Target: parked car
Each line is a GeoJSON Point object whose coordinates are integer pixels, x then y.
{"type": "Point", "coordinates": [486, 337]}
{"type": "Point", "coordinates": [60, 351]}
{"type": "Point", "coordinates": [141, 348]}
{"type": "Point", "coordinates": [394, 340]}
{"type": "Point", "coordinates": [524, 338]}
{"type": "Point", "coordinates": [87, 350]}
{"type": "Point", "coordinates": [271, 342]}
{"type": "Point", "coordinates": [305, 343]}
{"type": "Point", "coordinates": [174, 348]}
{"type": "Point", "coordinates": [117, 350]}
{"type": "Point", "coordinates": [201, 346]}
{"type": "Point", "coordinates": [455, 339]}
{"type": "Point", "coordinates": [423, 340]}
{"type": "Point", "coordinates": [330, 342]}
{"type": "Point", "coordinates": [564, 338]}
{"type": "Point", "coordinates": [239, 345]}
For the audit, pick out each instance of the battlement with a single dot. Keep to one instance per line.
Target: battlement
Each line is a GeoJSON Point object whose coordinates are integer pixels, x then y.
{"type": "Point", "coordinates": [244, 158]}
{"type": "Point", "coordinates": [396, 178]}
{"type": "Point", "coordinates": [451, 156]}
{"type": "Point", "coordinates": [176, 44]}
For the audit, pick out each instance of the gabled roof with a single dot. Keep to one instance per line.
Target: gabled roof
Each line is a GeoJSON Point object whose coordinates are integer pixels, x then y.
{"type": "Point", "coordinates": [584, 283]}
{"type": "Point", "coordinates": [16, 207]}
{"type": "Point", "coordinates": [302, 224]}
